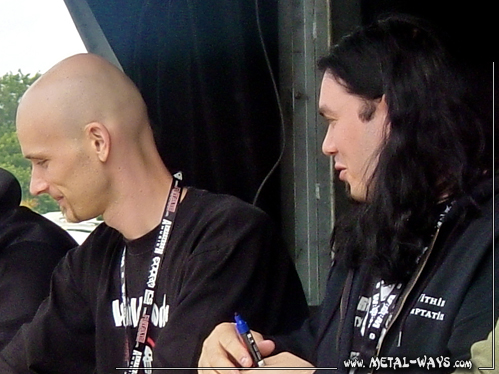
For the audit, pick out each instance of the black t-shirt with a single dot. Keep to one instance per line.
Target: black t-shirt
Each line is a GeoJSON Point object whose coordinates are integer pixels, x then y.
{"type": "Point", "coordinates": [30, 248]}
{"type": "Point", "coordinates": [223, 257]}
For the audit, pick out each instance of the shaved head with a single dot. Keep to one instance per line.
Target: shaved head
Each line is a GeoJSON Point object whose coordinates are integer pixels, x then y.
{"type": "Point", "coordinates": [84, 127]}
{"type": "Point", "coordinates": [82, 89]}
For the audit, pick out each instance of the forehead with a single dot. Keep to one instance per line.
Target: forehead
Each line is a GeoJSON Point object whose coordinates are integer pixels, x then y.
{"type": "Point", "coordinates": [37, 145]}
{"type": "Point", "coordinates": [40, 117]}
{"type": "Point", "coordinates": [38, 137]}
{"type": "Point", "coordinates": [334, 96]}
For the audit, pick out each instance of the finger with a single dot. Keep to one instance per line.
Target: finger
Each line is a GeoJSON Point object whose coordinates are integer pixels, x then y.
{"type": "Point", "coordinates": [219, 364]}
{"type": "Point", "coordinates": [266, 347]}
{"type": "Point", "coordinates": [222, 349]}
{"type": "Point", "coordinates": [222, 367]}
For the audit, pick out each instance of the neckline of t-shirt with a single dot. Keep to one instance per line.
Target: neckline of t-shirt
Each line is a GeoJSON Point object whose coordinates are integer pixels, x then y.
{"type": "Point", "coordinates": [147, 241]}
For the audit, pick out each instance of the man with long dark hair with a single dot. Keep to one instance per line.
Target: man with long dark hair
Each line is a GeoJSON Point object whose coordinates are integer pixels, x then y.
{"type": "Point", "coordinates": [411, 285]}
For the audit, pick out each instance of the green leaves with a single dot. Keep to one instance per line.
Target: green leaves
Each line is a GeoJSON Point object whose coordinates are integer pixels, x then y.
{"type": "Point", "coordinates": [12, 87]}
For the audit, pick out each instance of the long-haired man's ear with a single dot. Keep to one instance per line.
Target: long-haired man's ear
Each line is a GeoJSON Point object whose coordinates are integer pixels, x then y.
{"type": "Point", "coordinates": [100, 139]}
{"type": "Point", "coordinates": [382, 108]}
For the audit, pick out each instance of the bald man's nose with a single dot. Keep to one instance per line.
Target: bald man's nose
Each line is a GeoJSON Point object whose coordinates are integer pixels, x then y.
{"type": "Point", "coordinates": [37, 184]}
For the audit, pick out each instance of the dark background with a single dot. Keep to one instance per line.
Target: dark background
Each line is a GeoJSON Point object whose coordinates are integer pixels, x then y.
{"type": "Point", "coordinates": [201, 68]}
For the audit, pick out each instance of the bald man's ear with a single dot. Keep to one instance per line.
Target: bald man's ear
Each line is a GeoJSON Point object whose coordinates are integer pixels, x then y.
{"type": "Point", "coordinates": [100, 139]}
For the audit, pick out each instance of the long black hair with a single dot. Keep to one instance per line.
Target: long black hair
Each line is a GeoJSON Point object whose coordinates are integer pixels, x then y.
{"type": "Point", "coordinates": [434, 148]}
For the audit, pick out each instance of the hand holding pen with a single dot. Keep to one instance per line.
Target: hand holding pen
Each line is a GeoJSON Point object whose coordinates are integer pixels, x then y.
{"type": "Point", "coordinates": [281, 362]}
{"type": "Point", "coordinates": [224, 349]}
{"type": "Point", "coordinates": [248, 339]}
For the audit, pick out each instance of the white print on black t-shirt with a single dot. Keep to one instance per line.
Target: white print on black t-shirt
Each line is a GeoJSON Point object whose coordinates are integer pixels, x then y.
{"type": "Point", "coordinates": [159, 315]}
{"type": "Point", "coordinates": [147, 359]}
{"type": "Point", "coordinates": [372, 316]}
{"type": "Point", "coordinates": [430, 301]}
{"type": "Point", "coordinates": [375, 308]}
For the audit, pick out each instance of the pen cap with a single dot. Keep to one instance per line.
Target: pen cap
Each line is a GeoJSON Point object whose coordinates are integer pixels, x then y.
{"type": "Point", "coordinates": [241, 325]}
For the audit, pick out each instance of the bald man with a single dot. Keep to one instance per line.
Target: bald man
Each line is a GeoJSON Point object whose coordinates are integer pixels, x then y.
{"type": "Point", "coordinates": [168, 263]}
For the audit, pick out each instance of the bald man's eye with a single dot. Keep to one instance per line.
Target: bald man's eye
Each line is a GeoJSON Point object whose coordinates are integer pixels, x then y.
{"type": "Point", "coordinates": [41, 163]}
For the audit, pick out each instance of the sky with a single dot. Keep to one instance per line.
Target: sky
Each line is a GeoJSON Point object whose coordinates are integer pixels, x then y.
{"type": "Point", "coordinates": [35, 34]}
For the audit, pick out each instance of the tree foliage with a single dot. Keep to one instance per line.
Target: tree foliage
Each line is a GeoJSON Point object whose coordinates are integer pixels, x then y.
{"type": "Point", "coordinates": [12, 87]}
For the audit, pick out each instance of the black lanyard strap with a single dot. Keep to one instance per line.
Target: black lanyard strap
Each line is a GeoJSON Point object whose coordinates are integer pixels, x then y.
{"type": "Point", "coordinates": [169, 215]}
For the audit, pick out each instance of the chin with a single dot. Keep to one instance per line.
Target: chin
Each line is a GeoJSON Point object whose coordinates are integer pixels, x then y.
{"type": "Point", "coordinates": [354, 194]}
{"type": "Point", "coordinates": [70, 217]}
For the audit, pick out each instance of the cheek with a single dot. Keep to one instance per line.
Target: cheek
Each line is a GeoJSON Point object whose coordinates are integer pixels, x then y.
{"type": "Point", "coordinates": [90, 179]}
{"type": "Point", "coordinates": [83, 174]}
{"type": "Point", "coordinates": [373, 144]}
{"type": "Point", "coordinates": [349, 140]}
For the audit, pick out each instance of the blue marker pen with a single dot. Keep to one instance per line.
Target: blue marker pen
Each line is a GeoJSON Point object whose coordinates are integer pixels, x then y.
{"type": "Point", "coordinates": [243, 330]}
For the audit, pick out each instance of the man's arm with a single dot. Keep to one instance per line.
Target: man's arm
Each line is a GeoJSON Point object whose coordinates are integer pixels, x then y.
{"type": "Point", "coordinates": [59, 336]}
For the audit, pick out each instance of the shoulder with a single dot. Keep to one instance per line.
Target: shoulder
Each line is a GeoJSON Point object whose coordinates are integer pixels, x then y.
{"type": "Point", "coordinates": [95, 253]}
{"type": "Point", "coordinates": [86, 265]}
{"type": "Point", "coordinates": [22, 226]}
{"type": "Point", "coordinates": [212, 206]}
{"type": "Point", "coordinates": [471, 215]}
{"type": "Point", "coordinates": [480, 200]}
{"type": "Point", "coordinates": [101, 241]}
{"type": "Point", "coordinates": [218, 223]}
{"type": "Point", "coordinates": [30, 248]}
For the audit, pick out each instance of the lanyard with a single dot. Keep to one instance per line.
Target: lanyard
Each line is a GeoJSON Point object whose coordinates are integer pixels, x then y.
{"type": "Point", "coordinates": [372, 320]}
{"type": "Point", "coordinates": [150, 287]}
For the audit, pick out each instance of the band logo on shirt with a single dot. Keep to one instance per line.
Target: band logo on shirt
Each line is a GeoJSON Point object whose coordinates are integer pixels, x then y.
{"type": "Point", "coordinates": [430, 301]}
{"type": "Point", "coordinates": [158, 318]}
